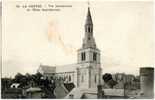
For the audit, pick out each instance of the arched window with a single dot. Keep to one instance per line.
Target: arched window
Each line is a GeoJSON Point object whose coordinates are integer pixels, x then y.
{"type": "Point", "coordinates": [83, 56]}
{"type": "Point", "coordinates": [69, 78]}
{"type": "Point", "coordinates": [89, 29]}
{"type": "Point", "coordinates": [94, 56]}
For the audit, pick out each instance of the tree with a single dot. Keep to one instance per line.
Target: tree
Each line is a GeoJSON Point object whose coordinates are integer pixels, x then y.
{"type": "Point", "coordinates": [18, 77]}
{"type": "Point", "coordinates": [38, 77]}
{"type": "Point", "coordinates": [109, 80]}
{"type": "Point", "coordinates": [5, 83]}
{"type": "Point", "coordinates": [106, 77]}
{"type": "Point", "coordinates": [21, 79]}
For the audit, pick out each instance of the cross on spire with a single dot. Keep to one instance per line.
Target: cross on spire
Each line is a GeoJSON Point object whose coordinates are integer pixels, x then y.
{"type": "Point", "coordinates": [88, 4]}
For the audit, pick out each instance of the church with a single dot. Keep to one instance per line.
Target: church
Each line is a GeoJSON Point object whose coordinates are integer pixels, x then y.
{"type": "Point", "coordinates": [86, 73]}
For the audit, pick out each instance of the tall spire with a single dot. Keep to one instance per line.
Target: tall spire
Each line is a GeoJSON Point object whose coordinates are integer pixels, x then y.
{"type": "Point", "coordinates": [89, 19]}
{"type": "Point", "coordinates": [89, 41]}
{"type": "Point", "coordinates": [89, 22]}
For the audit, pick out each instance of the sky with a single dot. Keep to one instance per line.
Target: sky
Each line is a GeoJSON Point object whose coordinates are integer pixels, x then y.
{"type": "Point", "coordinates": [123, 32]}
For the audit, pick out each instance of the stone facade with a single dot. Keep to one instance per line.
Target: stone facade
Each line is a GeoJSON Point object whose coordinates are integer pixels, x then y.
{"type": "Point", "coordinates": [89, 71]}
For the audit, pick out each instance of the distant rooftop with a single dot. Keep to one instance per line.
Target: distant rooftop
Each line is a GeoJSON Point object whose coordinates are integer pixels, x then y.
{"type": "Point", "coordinates": [46, 69]}
{"type": "Point", "coordinates": [34, 89]}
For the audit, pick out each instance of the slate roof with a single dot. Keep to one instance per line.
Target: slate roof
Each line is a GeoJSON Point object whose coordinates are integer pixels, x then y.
{"type": "Point", "coordinates": [89, 19]}
{"type": "Point", "coordinates": [66, 68]}
{"type": "Point", "coordinates": [57, 69]}
{"type": "Point", "coordinates": [47, 69]}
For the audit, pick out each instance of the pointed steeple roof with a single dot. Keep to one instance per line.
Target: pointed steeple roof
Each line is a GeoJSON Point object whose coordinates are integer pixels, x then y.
{"type": "Point", "coordinates": [88, 19]}
{"type": "Point", "coordinates": [89, 41]}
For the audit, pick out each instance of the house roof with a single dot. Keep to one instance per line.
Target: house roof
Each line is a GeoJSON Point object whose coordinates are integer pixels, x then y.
{"type": "Point", "coordinates": [66, 68]}
{"type": "Point", "coordinates": [57, 69]}
{"type": "Point", "coordinates": [33, 89]}
{"type": "Point", "coordinates": [47, 69]}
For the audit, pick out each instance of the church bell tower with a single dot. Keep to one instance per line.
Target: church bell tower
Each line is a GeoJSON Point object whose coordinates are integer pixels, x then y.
{"type": "Point", "coordinates": [89, 70]}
